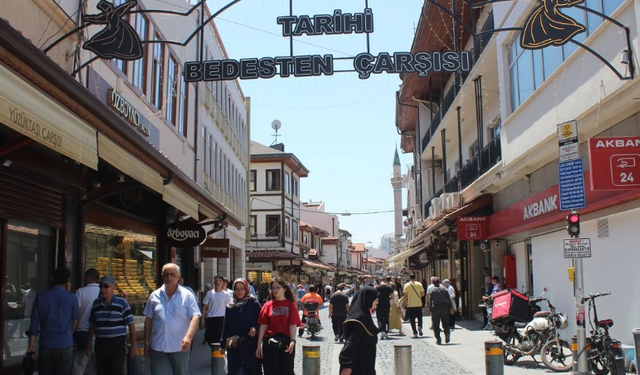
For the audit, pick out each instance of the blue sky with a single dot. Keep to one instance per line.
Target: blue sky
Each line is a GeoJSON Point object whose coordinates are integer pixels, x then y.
{"type": "Point", "coordinates": [342, 128]}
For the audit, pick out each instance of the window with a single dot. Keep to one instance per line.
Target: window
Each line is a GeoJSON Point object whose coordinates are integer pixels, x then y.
{"type": "Point", "coordinates": [294, 187]}
{"type": "Point", "coordinates": [252, 225]}
{"type": "Point", "coordinates": [252, 180]}
{"type": "Point", "coordinates": [210, 158]}
{"type": "Point", "coordinates": [157, 72]}
{"type": "Point", "coordinates": [172, 92]}
{"type": "Point", "coordinates": [183, 114]}
{"type": "Point", "coordinates": [296, 231]}
{"type": "Point", "coordinates": [273, 179]}
{"type": "Point", "coordinates": [139, 66]}
{"type": "Point", "coordinates": [473, 149]}
{"type": "Point", "coordinates": [214, 162]}
{"type": "Point", "coordinates": [205, 166]}
{"type": "Point", "coordinates": [287, 183]}
{"type": "Point", "coordinates": [494, 128]}
{"type": "Point", "coordinates": [273, 226]}
{"type": "Point", "coordinates": [287, 227]}
{"type": "Point", "coordinates": [528, 69]}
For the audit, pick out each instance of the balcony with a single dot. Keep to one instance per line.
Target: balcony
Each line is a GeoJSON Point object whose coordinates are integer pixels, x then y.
{"type": "Point", "coordinates": [475, 167]}
{"type": "Point", "coordinates": [479, 44]}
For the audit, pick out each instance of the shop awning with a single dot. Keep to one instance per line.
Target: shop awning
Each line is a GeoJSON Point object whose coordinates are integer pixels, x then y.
{"type": "Point", "coordinates": [33, 114]}
{"type": "Point", "coordinates": [389, 262]}
{"type": "Point", "coordinates": [270, 255]}
{"type": "Point", "coordinates": [317, 265]}
{"type": "Point", "coordinates": [179, 199]}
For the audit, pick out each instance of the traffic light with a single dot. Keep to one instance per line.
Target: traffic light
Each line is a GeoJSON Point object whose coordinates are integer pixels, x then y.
{"type": "Point", "coordinates": [573, 224]}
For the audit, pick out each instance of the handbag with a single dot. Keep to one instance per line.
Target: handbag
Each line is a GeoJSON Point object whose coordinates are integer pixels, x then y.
{"type": "Point", "coordinates": [279, 341]}
{"type": "Point", "coordinates": [233, 342]}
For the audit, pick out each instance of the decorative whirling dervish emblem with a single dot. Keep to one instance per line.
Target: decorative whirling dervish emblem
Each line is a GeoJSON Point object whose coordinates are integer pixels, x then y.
{"type": "Point", "coordinates": [118, 40]}
{"type": "Point", "coordinates": [548, 26]}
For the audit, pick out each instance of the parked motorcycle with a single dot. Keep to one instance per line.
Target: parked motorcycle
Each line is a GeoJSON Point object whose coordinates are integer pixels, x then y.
{"type": "Point", "coordinates": [312, 325]}
{"type": "Point", "coordinates": [605, 355]}
{"type": "Point", "coordinates": [539, 336]}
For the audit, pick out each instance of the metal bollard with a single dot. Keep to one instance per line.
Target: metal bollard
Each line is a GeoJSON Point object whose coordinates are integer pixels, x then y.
{"type": "Point", "coordinates": [217, 360]}
{"type": "Point", "coordinates": [493, 358]}
{"type": "Point", "coordinates": [636, 343]}
{"type": "Point", "coordinates": [402, 360]}
{"type": "Point", "coordinates": [311, 359]}
{"type": "Point", "coordinates": [574, 350]}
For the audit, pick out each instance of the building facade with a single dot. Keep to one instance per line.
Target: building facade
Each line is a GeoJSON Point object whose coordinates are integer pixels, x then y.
{"type": "Point", "coordinates": [101, 156]}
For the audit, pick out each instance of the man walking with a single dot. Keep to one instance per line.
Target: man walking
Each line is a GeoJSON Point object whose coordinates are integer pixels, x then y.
{"type": "Point", "coordinates": [172, 320]}
{"type": "Point", "coordinates": [86, 295]}
{"type": "Point", "coordinates": [384, 306]}
{"type": "Point", "coordinates": [413, 293]}
{"type": "Point", "coordinates": [214, 307]}
{"type": "Point", "coordinates": [338, 309]}
{"type": "Point", "coordinates": [54, 316]}
{"type": "Point", "coordinates": [440, 306]}
{"type": "Point", "coordinates": [110, 316]}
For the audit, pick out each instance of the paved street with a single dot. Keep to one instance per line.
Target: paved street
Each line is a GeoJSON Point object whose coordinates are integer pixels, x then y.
{"type": "Point", "coordinates": [464, 355]}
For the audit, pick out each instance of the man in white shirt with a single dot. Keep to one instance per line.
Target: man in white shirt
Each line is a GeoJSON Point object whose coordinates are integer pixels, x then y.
{"type": "Point", "coordinates": [214, 306]}
{"type": "Point", "coordinates": [172, 320]}
{"type": "Point", "coordinates": [86, 296]}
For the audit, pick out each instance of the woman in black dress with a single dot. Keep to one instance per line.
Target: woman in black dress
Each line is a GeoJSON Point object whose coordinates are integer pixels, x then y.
{"type": "Point", "coordinates": [358, 356]}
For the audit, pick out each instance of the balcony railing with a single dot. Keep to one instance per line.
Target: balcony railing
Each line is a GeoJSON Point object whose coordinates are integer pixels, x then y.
{"type": "Point", "coordinates": [479, 44]}
{"type": "Point", "coordinates": [475, 167]}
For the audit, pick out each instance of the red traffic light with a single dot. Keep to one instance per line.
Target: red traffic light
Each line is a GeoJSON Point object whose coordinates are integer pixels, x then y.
{"type": "Point", "coordinates": [573, 224]}
{"type": "Point", "coordinates": [573, 218]}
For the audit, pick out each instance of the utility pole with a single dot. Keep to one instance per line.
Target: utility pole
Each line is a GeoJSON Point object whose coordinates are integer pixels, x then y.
{"type": "Point", "coordinates": [573, 228]}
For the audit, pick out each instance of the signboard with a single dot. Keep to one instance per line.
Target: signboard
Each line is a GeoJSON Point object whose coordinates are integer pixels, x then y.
{"type": "Point", "coordinates": [614, 163]}
{"type": "Point", "coordinates": [215, 248]}
{"type": "Point", "coordinates": [571, 185]}
{"type": "Point", "coordinates": [259, 266]}
{"type": "Point", "coordinates": [568, 140]}
{"type": "Point", "coordinates": [473, 228]}
{"type": "Point", "coordinates": [184, 234]}
{"type": "Point", "coordinates": [577, 248]}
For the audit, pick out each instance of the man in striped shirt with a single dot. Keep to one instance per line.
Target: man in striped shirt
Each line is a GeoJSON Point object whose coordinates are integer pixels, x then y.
{"type": "Point", "coordinates": [110, 316]}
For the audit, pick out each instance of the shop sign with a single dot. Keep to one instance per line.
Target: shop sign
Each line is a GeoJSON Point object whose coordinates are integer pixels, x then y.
{"type": "Point", "coordinates": [424, 259]}
{"type": "Point", "coordinates": [184, 234]}
{"type": "Point", "coordinates": [215, 248]}
{"type": "Point", "coordinates": [614, 163]}
{"type": "Point", "coordinates": [259, 266]}
{"type": "Point", "coordinates": [126, 110]}
{"type": "Point", "coordinates": [473, 228]}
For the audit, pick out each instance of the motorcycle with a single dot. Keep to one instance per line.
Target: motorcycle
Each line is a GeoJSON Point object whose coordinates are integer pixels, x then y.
{"type": "Point", "coordinates": [539, 336]}
{"type": "Point", "coordinates": [312, 325]}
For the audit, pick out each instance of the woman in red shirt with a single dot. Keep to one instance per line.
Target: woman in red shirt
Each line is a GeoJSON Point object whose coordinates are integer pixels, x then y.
{"type": "Point", "coordinates": [279, 320]}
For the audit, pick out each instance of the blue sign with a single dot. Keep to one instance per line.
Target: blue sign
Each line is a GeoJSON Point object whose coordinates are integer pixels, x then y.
{"type": "Point", "coordinates": [571, 182]}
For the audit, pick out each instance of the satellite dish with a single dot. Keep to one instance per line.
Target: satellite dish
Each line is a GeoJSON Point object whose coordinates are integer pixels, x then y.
{"type": "Point", "coordinates": [276, 125]}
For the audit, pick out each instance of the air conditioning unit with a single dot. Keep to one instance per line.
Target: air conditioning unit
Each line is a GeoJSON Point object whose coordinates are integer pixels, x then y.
{"type": "Point", "coordinates": [435, 211]}
{"type": "Point", "coordinates": [453, 201]}
{"type": "Point", "coordinates": [443, 202]}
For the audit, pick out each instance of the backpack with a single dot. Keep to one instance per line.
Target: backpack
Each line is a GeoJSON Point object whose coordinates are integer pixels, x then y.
{"type": "Point", "coordinates": [439, 297]}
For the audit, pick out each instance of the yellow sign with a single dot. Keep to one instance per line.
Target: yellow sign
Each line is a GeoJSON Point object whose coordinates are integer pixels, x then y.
{"type": "Point", "coordinates": [311, 354]}
{"type": "Point", "coordinates": [567, 130]}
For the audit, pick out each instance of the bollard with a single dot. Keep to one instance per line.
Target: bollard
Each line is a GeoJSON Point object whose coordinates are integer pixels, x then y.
{"type": "Point", "coordinates": [402, 360]}
{"type": "Point", "coordinates": [574, 350]}
{"type": "Point", "coordinates": [311, 360]}
{"type": "Point", "coordinates": [217, 360]}
{"type": "Point", "coordinates": [493, 358]}
{"type": "Point", "coordinates": [636, 344]}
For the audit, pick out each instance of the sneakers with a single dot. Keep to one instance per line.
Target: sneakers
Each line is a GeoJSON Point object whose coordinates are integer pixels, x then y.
{"type": "Point", "coordinates": [336, 338]}
{"type": "Point", "coordinates": [488, 327]}
{"type": "Point", "coordinates": [415, 335]}
{"type": "Point", "coordinates": [420, 331]}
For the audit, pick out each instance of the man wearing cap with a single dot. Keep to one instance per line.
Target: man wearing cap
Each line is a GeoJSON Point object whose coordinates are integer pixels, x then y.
{"type": "Point", "coordinates": [110, 316]}
{"type": "Point", "coordinates": [172, 320]}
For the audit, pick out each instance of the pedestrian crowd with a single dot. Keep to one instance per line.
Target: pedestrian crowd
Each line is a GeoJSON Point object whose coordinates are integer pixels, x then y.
{"type": "Point", "coordinates": [88, 333]}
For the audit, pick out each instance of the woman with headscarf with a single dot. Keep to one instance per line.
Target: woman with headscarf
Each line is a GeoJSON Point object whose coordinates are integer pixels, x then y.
{"type": "Point", "coordinates": [279, 320]}
{"type": "Point", "coordinates": [241, 321]}
{"type": "Point", "coordinates": [358, 356]}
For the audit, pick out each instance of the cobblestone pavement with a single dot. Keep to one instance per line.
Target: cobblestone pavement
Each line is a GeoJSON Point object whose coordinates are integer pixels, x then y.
{"type": "Point", "coordinates": [424, 354]}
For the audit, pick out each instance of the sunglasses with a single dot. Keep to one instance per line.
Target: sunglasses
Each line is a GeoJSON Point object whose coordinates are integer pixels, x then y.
{"type": "Point", "coordinates": [104, 286]}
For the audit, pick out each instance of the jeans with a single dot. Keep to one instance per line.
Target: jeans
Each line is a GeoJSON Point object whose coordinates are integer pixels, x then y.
{"type": "Point", "coordinates": [111, 357]}
{"type": "Point", "coordinates": [169, 363]}
{"type": "Point", "coordinates": [413, 313]}
{"type": "Point", "coordinates": [55, 361]}
{"type": "Point", "coordinates": [440, 315]}
{"type": "Point", "coordinates": [382, 312]}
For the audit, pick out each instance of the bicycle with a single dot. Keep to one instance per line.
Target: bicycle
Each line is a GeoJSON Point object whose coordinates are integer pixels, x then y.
{"type": "Point", "coordinates": [604, 354]}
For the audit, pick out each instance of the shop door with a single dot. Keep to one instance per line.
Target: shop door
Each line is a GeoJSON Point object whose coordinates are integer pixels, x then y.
{"type": "Point", "coordinates": [27, 263]}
